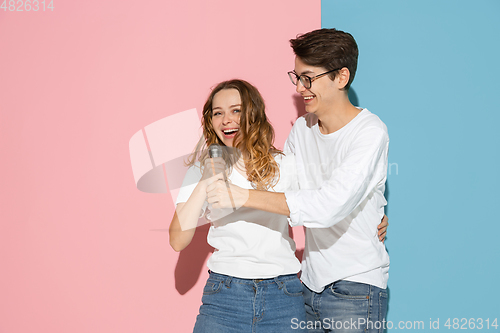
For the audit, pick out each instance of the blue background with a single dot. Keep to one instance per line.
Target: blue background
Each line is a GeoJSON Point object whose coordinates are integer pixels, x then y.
{"type": "Point", "coordinates": [429, 69]}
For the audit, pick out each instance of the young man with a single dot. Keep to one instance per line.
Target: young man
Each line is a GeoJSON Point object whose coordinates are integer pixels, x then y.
{"type": "Point", "coordinates": [341, 157]}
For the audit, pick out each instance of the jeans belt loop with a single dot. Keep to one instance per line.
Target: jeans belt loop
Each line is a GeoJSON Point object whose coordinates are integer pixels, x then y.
{"type": "Point", "coordinates": [228, 282]}
{"type": "Point", "coordinates": [278, 282]}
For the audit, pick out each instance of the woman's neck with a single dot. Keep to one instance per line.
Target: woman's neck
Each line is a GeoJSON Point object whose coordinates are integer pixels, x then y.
{"type": "Point", "coordinates": [240, 166]}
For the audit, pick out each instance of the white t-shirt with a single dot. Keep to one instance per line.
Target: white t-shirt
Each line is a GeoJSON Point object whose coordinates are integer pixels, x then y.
{"type": "Point", "coordinates": [341, 200]}
{"type": "Point", "coordinates": [249, 243]}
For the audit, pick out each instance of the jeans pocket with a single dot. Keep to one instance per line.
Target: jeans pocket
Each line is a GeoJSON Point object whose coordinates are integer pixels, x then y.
{"type": "Point", "coordinates": [382, 303]}
{"type": "Point", "coordinates": [350, 290]}
{"type": "Point", "coordinates": [292, 287]}
{"type": "Point", "coordinates": [212, 287]}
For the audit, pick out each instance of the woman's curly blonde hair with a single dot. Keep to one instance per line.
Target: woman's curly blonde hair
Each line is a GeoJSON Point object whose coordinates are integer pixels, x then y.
{"type": "Point", "coordinates": [254, 139]}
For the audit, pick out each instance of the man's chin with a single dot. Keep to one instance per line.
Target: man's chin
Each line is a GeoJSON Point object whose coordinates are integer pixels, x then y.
{"type": "Point", "coordinates": [310, 110]}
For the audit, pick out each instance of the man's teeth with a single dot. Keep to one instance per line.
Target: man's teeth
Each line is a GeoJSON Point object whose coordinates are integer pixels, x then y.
{"type": "Point", "coordinates": [308, 97]}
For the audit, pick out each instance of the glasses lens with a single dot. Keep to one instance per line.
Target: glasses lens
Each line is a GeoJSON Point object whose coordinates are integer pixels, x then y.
{"type": "Point", "coordinates": [293, 77]}
{"type": "Point", "coordinates": [306, 81]}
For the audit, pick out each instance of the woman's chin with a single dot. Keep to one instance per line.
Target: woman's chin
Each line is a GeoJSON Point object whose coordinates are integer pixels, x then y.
{"type": "Point", "coordinates": [228, 141]}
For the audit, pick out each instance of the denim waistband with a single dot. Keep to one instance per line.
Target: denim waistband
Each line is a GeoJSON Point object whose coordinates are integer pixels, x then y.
{"type": "Point", "coordinates": [228, 279]}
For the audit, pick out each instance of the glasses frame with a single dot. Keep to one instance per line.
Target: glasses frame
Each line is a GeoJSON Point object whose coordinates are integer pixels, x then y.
{"type": "Point", "coordinates": [308, 80]}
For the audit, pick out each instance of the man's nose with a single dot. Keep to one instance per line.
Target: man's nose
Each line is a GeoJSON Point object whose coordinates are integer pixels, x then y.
{"type": "Point", "coordinates": [300, 87]}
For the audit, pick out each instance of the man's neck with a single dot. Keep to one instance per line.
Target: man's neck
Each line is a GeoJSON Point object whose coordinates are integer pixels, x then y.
{"type": "Point", "coordinates": [337, 116]}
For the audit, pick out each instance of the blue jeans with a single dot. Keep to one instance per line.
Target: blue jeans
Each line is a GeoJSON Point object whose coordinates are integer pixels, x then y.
{"type": "Point", "coordinates": [346, 306]}
{"type": "Point", "coordinates": [233, 305]}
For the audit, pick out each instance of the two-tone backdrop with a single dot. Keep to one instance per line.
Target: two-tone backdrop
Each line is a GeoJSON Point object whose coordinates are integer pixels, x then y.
{"type": "Point", "coordinates": [83, 250]}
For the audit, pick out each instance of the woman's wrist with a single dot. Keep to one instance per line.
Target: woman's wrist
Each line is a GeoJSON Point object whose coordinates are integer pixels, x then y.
{"type": "Point", "coordinates": [201, 188]}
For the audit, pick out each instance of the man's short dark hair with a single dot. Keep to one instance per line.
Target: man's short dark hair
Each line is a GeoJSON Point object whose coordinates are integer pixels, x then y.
{"type": "Point", "coordinates": [328, 48]}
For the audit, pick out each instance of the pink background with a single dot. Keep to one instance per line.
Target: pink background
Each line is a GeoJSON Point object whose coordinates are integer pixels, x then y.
{"type": "Point", "coordinates": [81, 249]}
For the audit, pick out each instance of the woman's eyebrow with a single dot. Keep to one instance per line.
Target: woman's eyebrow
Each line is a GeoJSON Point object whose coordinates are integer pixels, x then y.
{"type": "Point", "coordinates": [231, 106]}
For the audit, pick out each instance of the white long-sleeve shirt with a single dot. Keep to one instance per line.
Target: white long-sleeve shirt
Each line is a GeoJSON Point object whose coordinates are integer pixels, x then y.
{"type": "Point", "coordinates": [341, 199]}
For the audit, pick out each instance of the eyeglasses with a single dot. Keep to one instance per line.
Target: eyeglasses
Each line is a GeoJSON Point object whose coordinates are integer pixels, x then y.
{"type": "Point", "coordinates": [305, 80]}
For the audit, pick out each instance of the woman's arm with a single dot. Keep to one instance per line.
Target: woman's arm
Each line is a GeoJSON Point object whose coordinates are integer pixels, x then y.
{"type": "Point", "coordinates": [183, 224]}
{"type": "Point", "coordinates": [382, 228]}
{"type": "Point", "coordinates": [185, 220]}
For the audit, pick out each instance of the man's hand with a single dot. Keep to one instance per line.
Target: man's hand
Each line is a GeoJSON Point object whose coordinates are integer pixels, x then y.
{"type": "Point", "coordinates": [382, 228]}
{"type": "Point", "coordinates": [219, 194]}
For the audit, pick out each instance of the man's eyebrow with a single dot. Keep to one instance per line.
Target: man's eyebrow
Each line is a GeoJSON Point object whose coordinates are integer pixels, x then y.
{"type": "Point", "coordinates": [306, 72]}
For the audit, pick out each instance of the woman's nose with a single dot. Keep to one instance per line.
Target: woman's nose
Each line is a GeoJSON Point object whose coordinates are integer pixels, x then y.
{"type": "Point", "coordinates": [228, 117]}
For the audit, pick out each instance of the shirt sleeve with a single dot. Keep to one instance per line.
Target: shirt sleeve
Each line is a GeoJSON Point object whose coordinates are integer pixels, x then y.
{"type": "Point", "coordinates": [289, 147]}
{"type": "Point", "coordinates": [288, 179]}
{"type": "Point", "coordinates": [191, 179]}
{"type": "Point", "coordinates": [362, 170]}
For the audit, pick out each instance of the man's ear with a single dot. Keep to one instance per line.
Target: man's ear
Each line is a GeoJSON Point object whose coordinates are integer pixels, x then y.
{"type": "Point", "coordinates": [343, 77]}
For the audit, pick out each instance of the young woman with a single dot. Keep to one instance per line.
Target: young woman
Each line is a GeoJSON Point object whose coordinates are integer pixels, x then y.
{"type": "Point", "coordinates": [253, 284]}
